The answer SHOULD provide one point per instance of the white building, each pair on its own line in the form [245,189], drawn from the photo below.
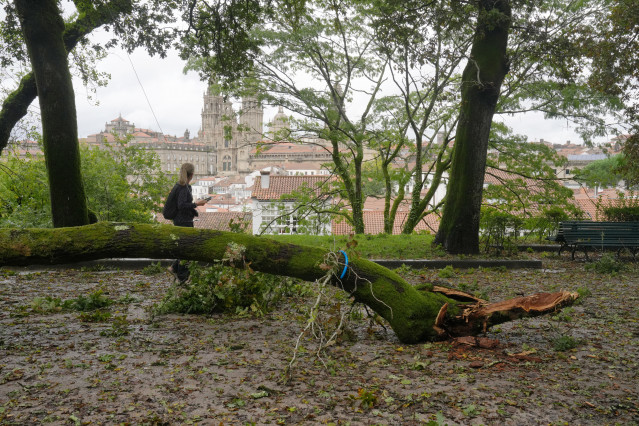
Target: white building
[274,208]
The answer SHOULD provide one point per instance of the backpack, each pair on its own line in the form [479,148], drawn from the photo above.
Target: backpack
[170,209]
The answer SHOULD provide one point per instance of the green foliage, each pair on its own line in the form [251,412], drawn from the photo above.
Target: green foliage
[548,222]
[629,168]
[611,46]
[123,183]
[133,25]
[225,289]
[470,410]
[153,269]
[47,304]
[95,301]
[404,270]
[127,299]
[24,191]
[239,226]
[221,43]
[565,315]
[446,272]
[625,210]
[524,193]
[94,316]
[500,229]
[367,398]
[601,173]
[440,420]
[119,327]
[607,264]
[524,175]
[565,343]
[222,288]
[622,214]
[372,183]
[583,293]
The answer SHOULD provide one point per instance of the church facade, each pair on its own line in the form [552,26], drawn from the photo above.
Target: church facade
[226,143]
[230,139]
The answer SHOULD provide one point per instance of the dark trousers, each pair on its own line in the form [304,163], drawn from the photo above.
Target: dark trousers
[180,270]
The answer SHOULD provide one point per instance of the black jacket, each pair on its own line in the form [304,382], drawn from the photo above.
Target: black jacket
[186,206]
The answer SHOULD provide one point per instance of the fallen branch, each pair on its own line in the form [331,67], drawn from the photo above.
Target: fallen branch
[413,314]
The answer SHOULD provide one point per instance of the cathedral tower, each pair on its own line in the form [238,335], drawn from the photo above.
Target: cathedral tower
[230,142]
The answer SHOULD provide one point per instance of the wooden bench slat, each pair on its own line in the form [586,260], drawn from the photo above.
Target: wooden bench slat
[588,234]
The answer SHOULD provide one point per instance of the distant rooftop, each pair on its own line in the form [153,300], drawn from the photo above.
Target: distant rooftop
[586,157]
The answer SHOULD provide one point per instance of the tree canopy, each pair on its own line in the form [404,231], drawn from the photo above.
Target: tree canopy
[370,78]
[36,29]
[612,47]
[602,173]
[130,24]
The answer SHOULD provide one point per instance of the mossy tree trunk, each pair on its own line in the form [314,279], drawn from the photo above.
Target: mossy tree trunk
[42,28]
[352,181]
[414,314]
[419,206]
[481,82]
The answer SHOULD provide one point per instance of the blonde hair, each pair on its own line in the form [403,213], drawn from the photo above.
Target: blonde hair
[186,173]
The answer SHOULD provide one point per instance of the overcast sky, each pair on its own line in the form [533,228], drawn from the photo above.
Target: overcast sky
[176,101]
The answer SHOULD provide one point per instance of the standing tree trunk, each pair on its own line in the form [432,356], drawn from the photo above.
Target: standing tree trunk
[15,106]
[481,83]
[414,314]
[43,27]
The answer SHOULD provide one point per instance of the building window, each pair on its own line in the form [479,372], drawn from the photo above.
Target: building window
[280,219]
[226,163]
[276,220]
[567,171]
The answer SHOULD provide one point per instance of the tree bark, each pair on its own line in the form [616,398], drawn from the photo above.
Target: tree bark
[42,28]
[415,315]
[15,107]
[481,82]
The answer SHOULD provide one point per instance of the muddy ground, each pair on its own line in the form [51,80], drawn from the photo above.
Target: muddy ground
[578,366]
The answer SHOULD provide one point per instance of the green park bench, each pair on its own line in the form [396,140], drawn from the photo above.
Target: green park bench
[587,235]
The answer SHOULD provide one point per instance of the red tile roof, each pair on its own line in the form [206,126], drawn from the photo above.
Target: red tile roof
[592,205]
[283,185]
[497,177]
[377,204]
[288,148]
[374,224]
[216,220]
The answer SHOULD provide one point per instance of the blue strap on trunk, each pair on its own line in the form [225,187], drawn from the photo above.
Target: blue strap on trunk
[346,265]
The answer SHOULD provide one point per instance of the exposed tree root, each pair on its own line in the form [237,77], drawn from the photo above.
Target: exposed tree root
[483,315]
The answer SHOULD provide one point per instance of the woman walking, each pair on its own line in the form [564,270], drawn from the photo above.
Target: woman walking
[186,211]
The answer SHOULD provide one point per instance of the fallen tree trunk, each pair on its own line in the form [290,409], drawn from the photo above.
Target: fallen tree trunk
[414,314]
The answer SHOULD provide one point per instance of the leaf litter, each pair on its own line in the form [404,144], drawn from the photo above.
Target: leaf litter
[577,366]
